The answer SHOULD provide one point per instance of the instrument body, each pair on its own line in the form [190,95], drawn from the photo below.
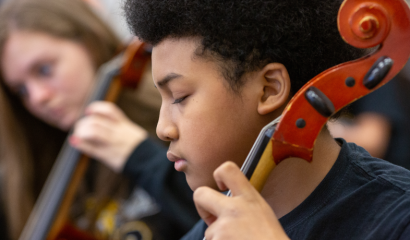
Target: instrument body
[49,216]
[362,24]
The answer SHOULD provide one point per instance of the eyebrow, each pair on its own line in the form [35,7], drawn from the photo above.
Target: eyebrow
[167,79]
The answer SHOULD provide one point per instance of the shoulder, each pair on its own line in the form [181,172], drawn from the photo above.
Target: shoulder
[379,171]
[361,198]
[381,191]
[374,193]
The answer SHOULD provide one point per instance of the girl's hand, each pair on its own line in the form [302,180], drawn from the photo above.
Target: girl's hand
[106,134]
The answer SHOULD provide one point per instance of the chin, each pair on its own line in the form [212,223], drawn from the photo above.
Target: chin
[64,128]
[191,184]
[67,123]
[196,183]
[62,125]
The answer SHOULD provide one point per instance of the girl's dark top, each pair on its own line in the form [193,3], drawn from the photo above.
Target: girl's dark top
[149,167]
[360,198]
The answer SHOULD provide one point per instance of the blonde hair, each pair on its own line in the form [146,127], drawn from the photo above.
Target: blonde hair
[28,147]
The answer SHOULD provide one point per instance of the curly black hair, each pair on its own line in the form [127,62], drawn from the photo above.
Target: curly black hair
[248,34]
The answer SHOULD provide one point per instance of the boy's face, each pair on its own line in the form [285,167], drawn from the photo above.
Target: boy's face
[205,122]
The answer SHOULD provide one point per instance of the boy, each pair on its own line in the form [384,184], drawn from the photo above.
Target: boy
[224,70]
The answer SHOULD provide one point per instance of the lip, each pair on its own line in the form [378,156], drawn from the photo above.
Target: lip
[179,163]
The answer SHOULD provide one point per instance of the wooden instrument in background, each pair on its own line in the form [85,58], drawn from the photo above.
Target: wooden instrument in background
[362,24]
[48,219]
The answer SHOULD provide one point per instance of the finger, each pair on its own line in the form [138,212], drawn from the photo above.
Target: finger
[94,129]
[229,176]
[209,203]
[96,121]
[105,109]
[83,146]
[89,148]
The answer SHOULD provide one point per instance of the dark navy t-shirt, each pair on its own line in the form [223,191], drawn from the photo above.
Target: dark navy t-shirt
[360,198]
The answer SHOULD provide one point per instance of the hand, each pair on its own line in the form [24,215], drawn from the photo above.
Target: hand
[107,135]
[245,215]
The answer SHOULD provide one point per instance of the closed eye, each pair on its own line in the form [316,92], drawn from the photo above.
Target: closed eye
[179,100]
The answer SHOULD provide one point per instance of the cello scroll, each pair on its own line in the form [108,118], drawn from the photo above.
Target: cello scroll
[362,24]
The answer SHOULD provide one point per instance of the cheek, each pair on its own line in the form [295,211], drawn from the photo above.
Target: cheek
[208,146]
[76,71]
[219,135]
[75,81]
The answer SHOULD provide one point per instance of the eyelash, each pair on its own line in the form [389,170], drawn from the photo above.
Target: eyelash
[179,100]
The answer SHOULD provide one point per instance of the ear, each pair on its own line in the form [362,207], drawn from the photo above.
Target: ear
[276,88]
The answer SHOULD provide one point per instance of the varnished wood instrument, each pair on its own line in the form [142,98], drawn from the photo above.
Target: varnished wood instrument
[362,24]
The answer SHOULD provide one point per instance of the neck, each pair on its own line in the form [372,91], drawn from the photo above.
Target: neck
[294,179]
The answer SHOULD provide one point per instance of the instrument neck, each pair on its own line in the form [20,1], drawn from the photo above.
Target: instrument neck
[300,176]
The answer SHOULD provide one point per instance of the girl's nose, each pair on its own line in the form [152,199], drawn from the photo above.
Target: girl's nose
[38,93]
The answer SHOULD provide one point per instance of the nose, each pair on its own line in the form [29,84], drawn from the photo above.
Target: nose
[38,93]
[166,128]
